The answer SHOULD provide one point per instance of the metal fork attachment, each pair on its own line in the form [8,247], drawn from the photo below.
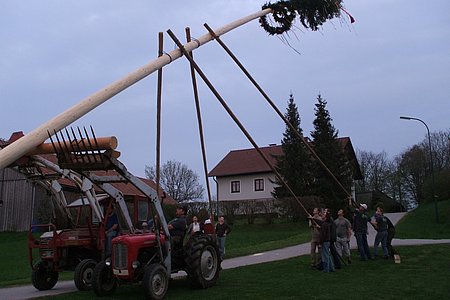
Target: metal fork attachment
[80,151]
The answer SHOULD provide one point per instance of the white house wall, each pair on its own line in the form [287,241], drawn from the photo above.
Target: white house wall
[247,191]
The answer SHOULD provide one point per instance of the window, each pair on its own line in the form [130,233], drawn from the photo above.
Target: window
[259,185]
[235,186]
[143,211]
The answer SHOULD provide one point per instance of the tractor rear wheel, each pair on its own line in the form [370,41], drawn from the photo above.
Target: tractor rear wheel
[84,273]
[155,282]
[42,278]
[103,281]
[202,261]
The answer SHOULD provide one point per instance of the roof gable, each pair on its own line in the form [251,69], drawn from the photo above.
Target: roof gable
[246,161]
[249,161]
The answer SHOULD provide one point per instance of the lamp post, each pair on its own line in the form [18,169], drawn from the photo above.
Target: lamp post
[431,164]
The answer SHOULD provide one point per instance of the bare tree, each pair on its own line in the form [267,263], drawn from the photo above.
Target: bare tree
[412,168]
[180,182]
[377,170]
[440,143]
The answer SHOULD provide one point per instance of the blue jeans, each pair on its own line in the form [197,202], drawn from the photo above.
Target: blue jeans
[327,260]
[221,245]
[363,247]
[381,237]
[108,245]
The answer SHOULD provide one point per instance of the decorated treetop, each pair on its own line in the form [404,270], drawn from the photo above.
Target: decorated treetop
[311,13]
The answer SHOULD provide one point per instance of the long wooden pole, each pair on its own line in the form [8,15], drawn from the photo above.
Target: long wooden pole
[36,137]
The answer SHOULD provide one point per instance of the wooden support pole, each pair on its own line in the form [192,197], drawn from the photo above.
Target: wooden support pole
[279,113]
[36,137]
[235,119]
[200,123]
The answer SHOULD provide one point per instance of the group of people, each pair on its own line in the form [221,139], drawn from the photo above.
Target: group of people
[179,229]
[385,232]
[330,242]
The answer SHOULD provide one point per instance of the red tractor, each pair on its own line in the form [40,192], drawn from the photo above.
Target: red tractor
[151,257]
[76,248]
[79,244]
[137,256]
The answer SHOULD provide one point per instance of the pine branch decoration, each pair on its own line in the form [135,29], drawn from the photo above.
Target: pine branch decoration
[311,13]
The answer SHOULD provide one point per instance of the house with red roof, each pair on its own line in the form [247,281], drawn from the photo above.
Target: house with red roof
[243,175]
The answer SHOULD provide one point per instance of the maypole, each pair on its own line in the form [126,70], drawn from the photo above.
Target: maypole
[27,143]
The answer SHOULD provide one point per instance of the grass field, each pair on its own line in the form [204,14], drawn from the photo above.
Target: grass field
[423,274]
[421,222]
[14,258]
[247,239]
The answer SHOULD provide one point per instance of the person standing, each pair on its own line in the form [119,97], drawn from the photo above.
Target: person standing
[111,230]
[325,239]
[222,230]
[360,220]
[334,254]
[343,234]
[195,227]
[381,226]
[177,226]
[391,234]
[315,238]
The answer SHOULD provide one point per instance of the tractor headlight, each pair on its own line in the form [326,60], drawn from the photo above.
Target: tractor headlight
[108,261]
[136,264]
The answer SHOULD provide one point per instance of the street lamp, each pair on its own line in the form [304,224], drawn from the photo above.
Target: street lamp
[431,164]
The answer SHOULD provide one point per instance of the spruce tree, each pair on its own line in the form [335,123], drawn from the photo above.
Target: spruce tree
[293,166]
[327,147]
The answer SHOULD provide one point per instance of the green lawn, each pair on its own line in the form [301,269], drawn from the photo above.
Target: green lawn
[14,258]
[422,274]
[248,239]
[421,222]
[245,239]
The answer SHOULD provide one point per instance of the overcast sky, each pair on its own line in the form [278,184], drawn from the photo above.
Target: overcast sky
[394,60]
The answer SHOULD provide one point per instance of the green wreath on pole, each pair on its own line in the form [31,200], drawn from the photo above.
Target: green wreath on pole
[311,13]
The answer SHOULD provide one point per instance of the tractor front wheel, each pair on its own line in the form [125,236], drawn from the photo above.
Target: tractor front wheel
[103,281]
[84,273]
[43,278]
[155,282]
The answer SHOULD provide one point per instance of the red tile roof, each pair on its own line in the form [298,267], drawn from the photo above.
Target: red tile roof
[248,161]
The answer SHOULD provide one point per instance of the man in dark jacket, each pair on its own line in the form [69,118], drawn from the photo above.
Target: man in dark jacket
[325,239]
[391,234]
[381,226]
[222,229]
[111,230]
[177,227]
[360,220]
[334,253]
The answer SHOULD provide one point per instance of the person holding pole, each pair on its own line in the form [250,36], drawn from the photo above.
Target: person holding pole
[343,234]
[360,220]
